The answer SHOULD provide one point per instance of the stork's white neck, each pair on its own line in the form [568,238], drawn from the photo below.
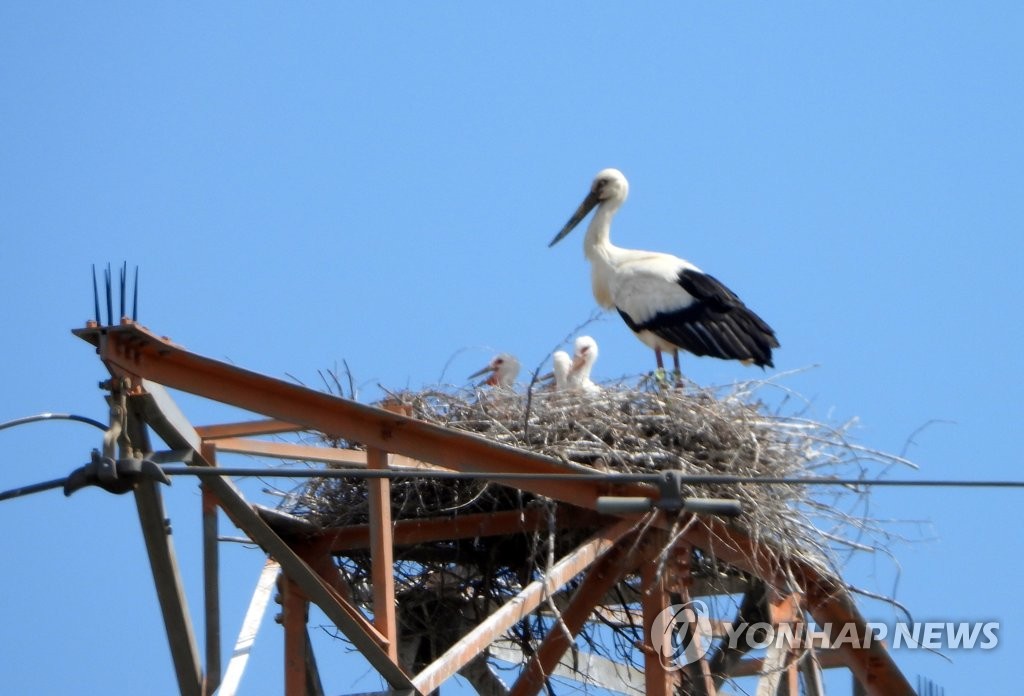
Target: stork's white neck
[602,254]
[597,245]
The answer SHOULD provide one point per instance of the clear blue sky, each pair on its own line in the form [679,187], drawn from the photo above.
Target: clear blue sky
[378,183]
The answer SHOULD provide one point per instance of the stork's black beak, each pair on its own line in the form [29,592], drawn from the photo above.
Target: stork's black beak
[585,207]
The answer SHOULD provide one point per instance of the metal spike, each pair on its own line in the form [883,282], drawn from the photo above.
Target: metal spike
[135,298]
[95,295]
[110,298]
[124,280]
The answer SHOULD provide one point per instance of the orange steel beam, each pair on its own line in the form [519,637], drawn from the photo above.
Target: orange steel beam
[246,429]
[329,455]
[701,670]
[317,556]
[677,576]
[828,601]
[294,607]
[780,675]
[513,611]
[129,349]
[156,532]
[787,609]
[162,415]
[382,553]
[348,619]
[483,524]
[211,591]
[132,350]
[601,577]
[654,598]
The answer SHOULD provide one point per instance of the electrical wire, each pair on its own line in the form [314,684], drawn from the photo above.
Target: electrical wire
[33,488]
[54,483]
[53,416]
[698,479]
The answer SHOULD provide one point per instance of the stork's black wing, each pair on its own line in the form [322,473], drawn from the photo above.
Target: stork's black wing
[716,323]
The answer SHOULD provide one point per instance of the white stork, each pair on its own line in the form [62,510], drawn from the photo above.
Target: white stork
[583,359]
[504,369]
[669,303]
[561,363]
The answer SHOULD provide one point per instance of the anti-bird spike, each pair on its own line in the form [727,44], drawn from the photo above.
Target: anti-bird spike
[110,296]
[124,280]
[124,289]
[135,298]
[95,295]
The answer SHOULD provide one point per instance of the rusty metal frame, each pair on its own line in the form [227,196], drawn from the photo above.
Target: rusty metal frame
[211,591]
[779,674]
[528,599]
[600,578]
[150,363]
[382,554]
[170,592]
[165,419]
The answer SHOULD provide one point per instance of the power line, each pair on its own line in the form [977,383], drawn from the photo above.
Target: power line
[695,479]
[33,488]
[655,479]
[53,416]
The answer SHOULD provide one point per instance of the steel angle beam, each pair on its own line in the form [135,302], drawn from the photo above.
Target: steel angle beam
[173,605]
[167,421]
[600,578]
[827,600]
[513,611]
[133,350]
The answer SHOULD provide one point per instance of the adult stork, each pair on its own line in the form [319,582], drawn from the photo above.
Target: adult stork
[669,303]
[503,369]
[583,359]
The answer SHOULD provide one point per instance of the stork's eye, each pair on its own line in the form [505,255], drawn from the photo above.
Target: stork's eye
[498,361]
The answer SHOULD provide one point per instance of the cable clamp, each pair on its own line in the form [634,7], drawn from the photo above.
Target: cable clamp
[116,476]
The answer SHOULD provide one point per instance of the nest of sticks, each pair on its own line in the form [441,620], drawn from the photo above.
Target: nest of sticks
[446,587]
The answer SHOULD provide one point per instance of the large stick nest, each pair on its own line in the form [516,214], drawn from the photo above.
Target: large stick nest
[449,585]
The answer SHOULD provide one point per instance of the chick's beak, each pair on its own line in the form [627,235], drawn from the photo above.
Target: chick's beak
[482,371]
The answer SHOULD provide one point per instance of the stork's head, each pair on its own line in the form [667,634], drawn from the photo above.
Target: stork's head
[504,369]
[610,188]
[585,355]
[610,184]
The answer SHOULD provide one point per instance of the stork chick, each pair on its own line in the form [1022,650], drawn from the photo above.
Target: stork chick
[583,359]
[503,369]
